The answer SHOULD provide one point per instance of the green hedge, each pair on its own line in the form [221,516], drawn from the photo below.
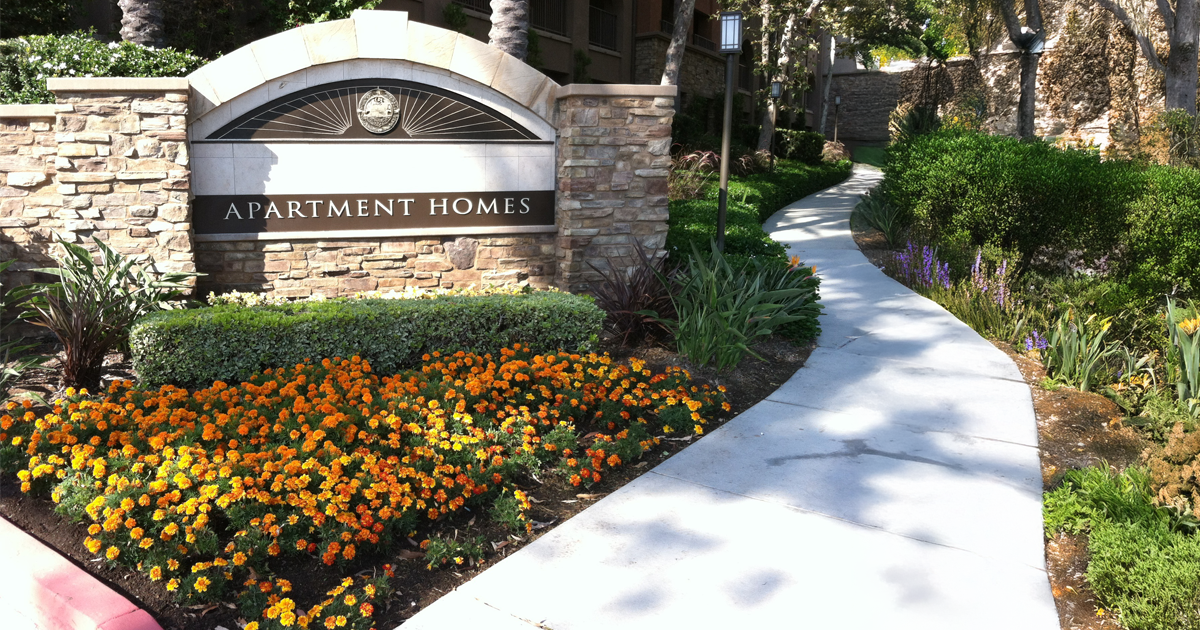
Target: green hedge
[1163,249]
[752,199]
[805,146]
[230,343]
[26,63]
[1025,196]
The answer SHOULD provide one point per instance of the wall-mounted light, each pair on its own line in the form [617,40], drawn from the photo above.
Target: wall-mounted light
[731,31]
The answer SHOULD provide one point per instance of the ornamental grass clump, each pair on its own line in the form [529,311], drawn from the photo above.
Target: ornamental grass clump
[205,491]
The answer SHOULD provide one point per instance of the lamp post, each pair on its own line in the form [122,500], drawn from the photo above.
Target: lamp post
[731,45]
[776,92]
[837,105]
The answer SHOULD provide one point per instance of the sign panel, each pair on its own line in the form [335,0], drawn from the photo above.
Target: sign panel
[275,214]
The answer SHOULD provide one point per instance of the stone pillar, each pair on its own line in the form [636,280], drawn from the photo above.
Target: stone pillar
[122,166]
[613,160]
[30,205]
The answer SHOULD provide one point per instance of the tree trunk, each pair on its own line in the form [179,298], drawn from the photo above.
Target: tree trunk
[828,84]
[679,40]
[1181,74]
[782,74]
[1029,40]
[510,27]
[1027,105]
[142,22]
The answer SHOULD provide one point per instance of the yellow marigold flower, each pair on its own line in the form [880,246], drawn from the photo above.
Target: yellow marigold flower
[350,600]
[253,625]
[92,544]
[112,553]
[202,584]
[156,573]
[173,584]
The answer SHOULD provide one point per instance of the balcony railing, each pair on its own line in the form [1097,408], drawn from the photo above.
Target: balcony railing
[482,6]
[602,29]
[704,42]
[548,15]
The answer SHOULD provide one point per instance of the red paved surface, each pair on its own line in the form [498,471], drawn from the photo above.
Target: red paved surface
[41,589]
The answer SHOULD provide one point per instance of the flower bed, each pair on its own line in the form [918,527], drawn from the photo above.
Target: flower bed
[205,491]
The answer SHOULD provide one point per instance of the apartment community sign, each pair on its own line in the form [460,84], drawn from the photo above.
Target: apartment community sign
[382,156]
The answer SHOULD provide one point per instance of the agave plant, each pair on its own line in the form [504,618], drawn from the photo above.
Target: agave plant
[92,304]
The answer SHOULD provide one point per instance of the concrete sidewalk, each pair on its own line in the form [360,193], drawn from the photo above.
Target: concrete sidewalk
[893,482]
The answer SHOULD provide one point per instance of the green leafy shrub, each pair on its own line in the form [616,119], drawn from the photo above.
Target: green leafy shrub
[37,17]
[292,13]
[721,309]
[804,146]
[1023,196]
[230,343]
[1143,560]
[1076,352]
[876,211]
[1164,232]
[26,63]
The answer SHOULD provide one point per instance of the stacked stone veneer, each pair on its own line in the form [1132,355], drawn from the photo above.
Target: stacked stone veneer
[30,204]
[109,163]
[111,160]
[343,267]
[614,159]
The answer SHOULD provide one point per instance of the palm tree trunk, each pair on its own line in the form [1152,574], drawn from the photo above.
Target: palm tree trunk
[142,22]
[679,40]
[510,27]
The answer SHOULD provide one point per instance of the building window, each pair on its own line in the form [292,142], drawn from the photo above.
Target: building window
[701,28]
[548,15]
[602,25]
[482,6]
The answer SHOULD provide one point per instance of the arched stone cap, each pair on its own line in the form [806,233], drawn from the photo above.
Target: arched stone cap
[385,35]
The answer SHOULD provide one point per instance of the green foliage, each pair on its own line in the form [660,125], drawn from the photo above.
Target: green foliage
[26,63]
[874,156]
[211,28]
[1077,350]
[876,211]
[1182,131]
[1023,196]
[439,551]
[752,199]
[805,146]
[37,17]
[292,13]
[15,357]
[456,18]
[533,50]
[92,304]
[230,343]
[722,309]
[582,62]
[1183,358]
[1143,560]
[1164,232]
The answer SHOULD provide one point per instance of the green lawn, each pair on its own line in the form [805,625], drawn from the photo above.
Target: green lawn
[869,155]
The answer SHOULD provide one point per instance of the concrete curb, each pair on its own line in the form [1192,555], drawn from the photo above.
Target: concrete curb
[41,589]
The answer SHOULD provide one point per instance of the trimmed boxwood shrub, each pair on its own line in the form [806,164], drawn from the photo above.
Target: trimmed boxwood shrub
[805,146]
[1164,233]
[230,343]
[963,185]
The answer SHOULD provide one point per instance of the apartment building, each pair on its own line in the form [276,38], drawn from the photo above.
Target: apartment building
[604,41]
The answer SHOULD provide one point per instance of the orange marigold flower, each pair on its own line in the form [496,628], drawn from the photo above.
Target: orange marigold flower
[112,553]
[366,609]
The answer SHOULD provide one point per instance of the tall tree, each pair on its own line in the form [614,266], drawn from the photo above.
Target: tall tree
[1182,25]
[142,22]
[510,27]
[679,40]
[1029,39]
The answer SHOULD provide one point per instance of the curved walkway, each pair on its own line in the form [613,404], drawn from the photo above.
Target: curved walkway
[893,482]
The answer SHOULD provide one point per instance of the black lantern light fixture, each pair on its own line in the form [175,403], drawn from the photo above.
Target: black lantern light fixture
[731,44]
[776,89]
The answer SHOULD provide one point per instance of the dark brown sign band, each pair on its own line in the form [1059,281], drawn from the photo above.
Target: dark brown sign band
[247,214]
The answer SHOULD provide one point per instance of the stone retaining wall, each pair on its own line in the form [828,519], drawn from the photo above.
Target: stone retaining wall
[31,211]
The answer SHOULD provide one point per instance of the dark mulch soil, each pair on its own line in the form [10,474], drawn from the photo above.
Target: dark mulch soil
[554,501]
[1075,430]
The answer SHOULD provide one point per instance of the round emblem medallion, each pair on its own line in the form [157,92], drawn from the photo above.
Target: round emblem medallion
[378,111]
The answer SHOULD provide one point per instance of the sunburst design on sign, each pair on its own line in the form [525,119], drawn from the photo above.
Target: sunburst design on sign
[332,113]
